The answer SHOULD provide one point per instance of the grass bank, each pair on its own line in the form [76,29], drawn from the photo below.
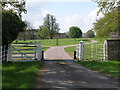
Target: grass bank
[20,74]
[106,67]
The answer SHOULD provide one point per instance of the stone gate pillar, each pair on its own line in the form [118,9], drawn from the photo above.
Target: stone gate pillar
[112,49]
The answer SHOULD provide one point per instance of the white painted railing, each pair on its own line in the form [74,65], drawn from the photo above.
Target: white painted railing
[22,52]
[3,55]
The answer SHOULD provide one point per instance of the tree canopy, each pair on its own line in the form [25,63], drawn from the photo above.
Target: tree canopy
[107,6]
[49,27]
[75,32]
[110,22]
[18,6]
[90,34]
[11,26]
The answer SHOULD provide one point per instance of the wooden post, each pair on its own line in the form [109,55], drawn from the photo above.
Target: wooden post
[75,55]
[39,51]
[81,51]
[42,55]
[9,55]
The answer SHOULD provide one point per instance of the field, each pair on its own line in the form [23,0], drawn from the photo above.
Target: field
[20,74]
[53,42]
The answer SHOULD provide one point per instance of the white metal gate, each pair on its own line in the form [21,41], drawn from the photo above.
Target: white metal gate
[24,51]
[90,52]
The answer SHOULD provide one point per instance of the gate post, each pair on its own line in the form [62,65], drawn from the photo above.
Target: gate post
[81,51]
[9,55]
[105,51]
[39,51]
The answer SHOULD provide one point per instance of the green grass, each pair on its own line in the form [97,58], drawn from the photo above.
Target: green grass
[106,67]
[45,48]
[20,74]
[70,49]
[52,42]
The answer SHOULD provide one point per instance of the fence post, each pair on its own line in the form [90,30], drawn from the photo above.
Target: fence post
[35,50]
[75,55]
[81,51]
[92,51]
[9,55]
[105,51]
[1,53]
[39,51]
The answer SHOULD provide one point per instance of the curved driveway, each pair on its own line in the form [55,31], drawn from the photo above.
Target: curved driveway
[58,53]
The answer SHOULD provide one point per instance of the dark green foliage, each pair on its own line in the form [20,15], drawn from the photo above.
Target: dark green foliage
[75,32]
[90,34]
[11,26]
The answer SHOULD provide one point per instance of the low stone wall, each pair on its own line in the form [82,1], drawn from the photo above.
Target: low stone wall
[112,48]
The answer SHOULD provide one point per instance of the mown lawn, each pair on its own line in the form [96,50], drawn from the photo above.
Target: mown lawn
[20,74]
[52,42]
[107,67]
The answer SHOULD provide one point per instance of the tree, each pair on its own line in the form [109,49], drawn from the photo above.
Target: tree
[90,34]
[107,24]
[107,6]
[43,32]
[51,25]
[18,6]
[11,26]
[75,32]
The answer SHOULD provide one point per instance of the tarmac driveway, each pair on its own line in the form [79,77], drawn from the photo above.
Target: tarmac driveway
[70,74]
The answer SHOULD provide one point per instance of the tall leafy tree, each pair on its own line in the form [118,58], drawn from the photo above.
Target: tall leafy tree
[75,32]
[90,34]
[111,20]
[12,22]
[51,25]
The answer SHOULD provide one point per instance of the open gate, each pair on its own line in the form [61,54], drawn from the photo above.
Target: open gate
[25,51]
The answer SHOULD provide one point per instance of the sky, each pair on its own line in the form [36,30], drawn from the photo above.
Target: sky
[67,13]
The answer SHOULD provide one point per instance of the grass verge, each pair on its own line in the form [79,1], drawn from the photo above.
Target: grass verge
[20,74]
[106,67]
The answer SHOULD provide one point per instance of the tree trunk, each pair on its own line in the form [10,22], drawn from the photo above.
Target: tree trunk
[51,37]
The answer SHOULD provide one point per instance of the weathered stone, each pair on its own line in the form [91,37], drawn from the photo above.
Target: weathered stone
[113,49]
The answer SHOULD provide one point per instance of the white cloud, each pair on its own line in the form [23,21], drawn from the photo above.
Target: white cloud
[83,22]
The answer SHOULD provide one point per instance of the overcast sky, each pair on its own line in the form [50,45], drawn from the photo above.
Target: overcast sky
[68,13]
